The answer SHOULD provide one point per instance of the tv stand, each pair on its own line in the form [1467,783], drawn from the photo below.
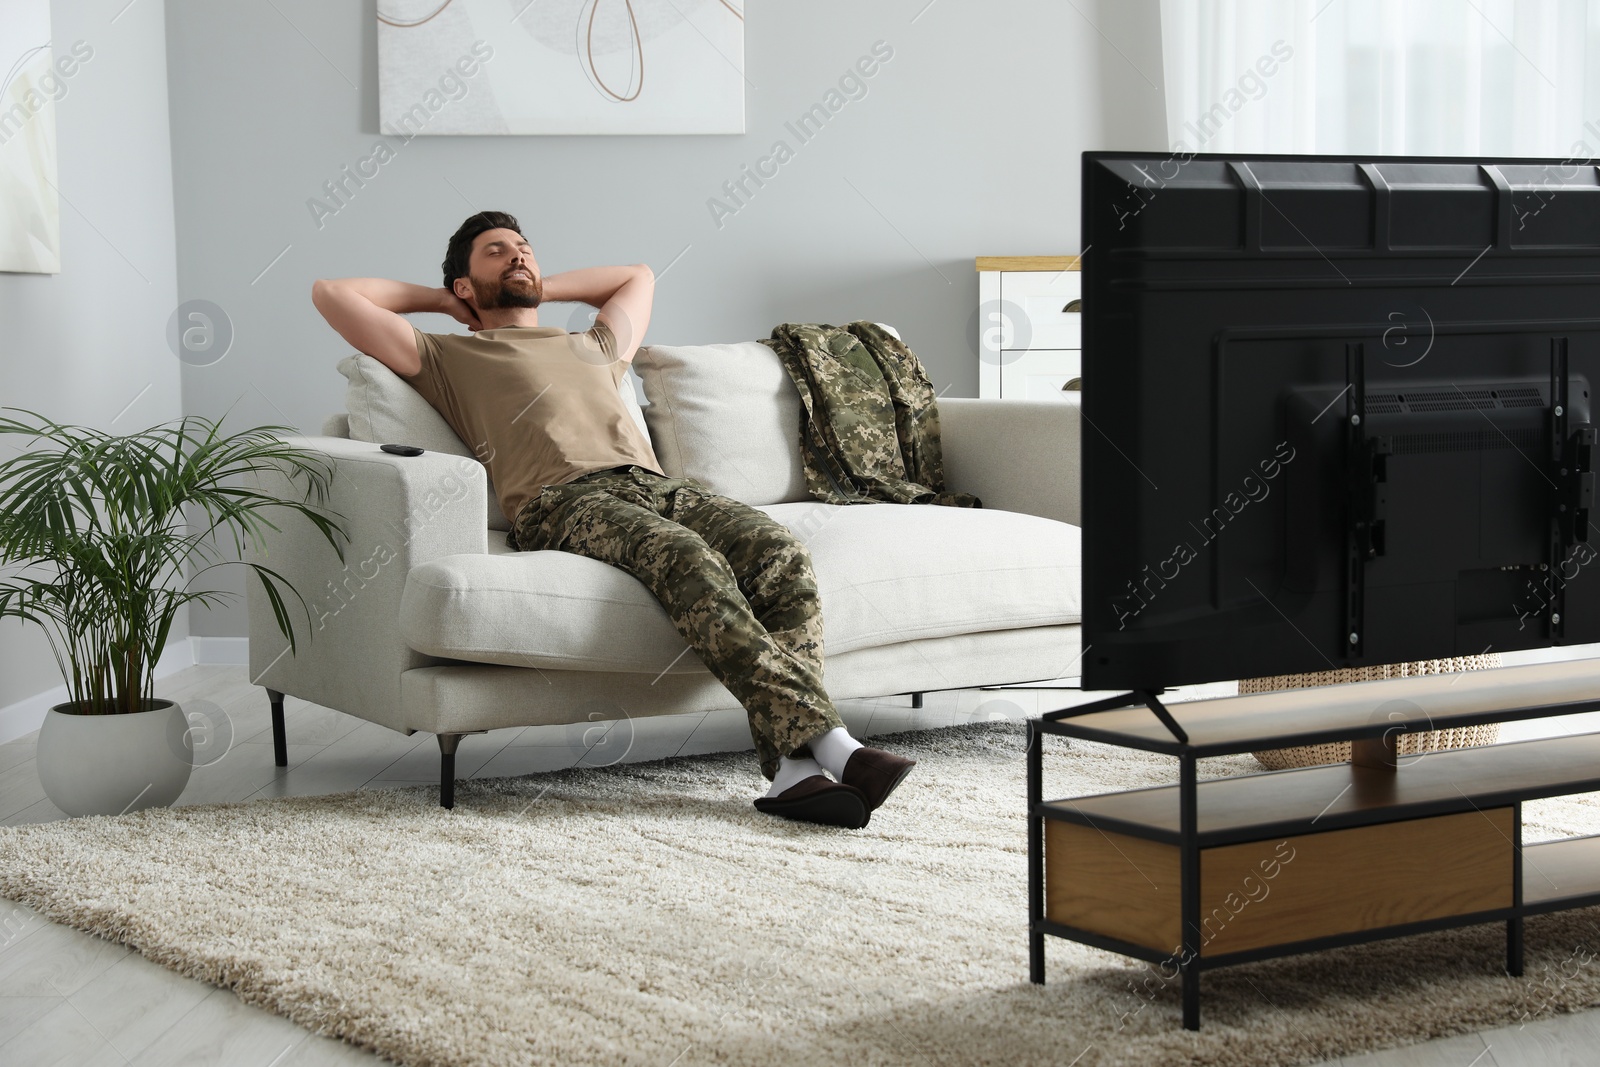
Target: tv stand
[1206,874]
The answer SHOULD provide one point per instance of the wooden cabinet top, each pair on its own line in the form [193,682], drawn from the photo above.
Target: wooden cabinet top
[1028,262]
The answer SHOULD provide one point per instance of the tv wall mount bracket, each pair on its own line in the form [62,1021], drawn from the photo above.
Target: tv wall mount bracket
[1569,467]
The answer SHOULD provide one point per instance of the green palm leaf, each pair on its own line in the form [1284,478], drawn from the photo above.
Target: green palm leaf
[105,521]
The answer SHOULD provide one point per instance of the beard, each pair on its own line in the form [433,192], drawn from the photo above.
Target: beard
[494,293]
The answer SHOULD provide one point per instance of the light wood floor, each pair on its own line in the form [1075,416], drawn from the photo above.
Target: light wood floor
[73,1000]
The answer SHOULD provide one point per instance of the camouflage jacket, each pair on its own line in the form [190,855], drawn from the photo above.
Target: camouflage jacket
[869,426]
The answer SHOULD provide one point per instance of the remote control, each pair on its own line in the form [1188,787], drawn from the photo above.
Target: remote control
[402,450]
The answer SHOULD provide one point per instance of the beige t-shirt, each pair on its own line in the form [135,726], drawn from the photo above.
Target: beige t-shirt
[537,405]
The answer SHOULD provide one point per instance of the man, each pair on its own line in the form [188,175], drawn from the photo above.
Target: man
[541,409]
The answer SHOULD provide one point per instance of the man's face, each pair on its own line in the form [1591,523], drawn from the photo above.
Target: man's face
[503,272]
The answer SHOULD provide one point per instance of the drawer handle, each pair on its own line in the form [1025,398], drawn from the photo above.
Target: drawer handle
[1073,385]
[1073,305]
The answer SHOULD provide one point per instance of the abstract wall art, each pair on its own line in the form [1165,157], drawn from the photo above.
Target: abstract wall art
[560,66]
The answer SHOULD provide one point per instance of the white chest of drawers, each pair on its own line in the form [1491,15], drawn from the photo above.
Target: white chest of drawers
[1029,326]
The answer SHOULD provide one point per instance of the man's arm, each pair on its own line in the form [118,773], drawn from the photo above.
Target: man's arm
[367,313]
[623,295]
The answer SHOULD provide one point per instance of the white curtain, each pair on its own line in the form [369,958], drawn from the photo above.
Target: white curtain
[1414,77]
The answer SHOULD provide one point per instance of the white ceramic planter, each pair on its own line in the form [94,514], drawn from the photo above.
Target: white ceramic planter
[110,764]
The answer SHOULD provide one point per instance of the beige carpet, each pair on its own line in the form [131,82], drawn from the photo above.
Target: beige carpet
[646,914]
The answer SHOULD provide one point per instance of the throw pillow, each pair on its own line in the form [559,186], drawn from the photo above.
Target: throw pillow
[727,415]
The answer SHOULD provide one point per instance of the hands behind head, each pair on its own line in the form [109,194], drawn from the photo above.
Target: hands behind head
[460,310]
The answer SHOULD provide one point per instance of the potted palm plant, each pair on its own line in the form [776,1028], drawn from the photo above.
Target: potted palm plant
[97,527]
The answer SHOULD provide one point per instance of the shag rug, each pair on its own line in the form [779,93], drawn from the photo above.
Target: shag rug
[647,914]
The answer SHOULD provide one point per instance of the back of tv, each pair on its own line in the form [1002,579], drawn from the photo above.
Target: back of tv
[1336,412]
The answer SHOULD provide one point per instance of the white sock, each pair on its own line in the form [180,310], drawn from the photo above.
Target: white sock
[792,772]
[833,750]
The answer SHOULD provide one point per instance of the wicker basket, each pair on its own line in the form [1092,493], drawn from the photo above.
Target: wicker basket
[1279,759]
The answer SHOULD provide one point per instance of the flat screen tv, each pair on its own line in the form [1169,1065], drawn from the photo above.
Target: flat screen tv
[1336,411]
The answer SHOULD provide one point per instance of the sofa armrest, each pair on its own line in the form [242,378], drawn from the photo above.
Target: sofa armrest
[398,511]
[1016,455]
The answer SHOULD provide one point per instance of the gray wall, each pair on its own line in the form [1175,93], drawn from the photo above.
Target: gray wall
[966,144]
[82,345]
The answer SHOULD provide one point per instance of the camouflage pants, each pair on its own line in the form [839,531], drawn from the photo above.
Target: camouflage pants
[737,584]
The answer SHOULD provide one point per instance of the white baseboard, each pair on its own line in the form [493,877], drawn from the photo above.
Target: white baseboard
[26,716]
[231,651]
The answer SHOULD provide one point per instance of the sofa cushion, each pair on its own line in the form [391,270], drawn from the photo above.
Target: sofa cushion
[901,572]
[727,415]
[383,409]
[888,573]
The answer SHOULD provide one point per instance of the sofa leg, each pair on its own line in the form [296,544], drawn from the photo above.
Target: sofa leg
[280,739]
[447,769]
[916,700]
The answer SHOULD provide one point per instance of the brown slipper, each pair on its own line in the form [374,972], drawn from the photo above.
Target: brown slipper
[876,773]
[819,799]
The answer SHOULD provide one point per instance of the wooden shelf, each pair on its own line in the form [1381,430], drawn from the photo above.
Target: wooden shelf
[1259,721]
[1259,806]
[1028,262]
[1558,874]
[1335,883]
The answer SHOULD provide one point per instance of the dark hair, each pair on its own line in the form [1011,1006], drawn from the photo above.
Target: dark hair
[459,251]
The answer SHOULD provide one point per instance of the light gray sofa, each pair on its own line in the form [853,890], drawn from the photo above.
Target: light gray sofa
[432,623]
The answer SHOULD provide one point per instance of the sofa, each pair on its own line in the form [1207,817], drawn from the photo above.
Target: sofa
[432,622]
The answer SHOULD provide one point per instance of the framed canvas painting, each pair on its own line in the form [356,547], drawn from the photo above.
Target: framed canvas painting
[560,66]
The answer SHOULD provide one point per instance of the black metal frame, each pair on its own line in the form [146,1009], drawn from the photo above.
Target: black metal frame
[1514,945]
[1189,960]
[1375,730]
